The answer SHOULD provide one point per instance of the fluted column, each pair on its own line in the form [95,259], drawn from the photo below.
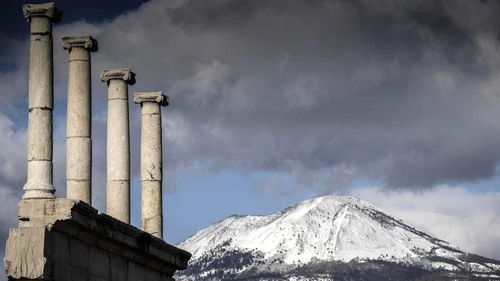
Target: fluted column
[151,161]
[118,143]
[78,124]
[41,95]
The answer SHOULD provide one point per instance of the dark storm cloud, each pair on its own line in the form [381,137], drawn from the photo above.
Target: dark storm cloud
[402,92]
[396,91]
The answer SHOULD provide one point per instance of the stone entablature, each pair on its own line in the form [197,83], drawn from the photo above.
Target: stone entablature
[85,42]
[118,74]
[48,10]
[61,240]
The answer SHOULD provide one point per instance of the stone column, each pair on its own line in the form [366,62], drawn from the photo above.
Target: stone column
[151,161]
[41,95]
[118,143]
[78,124]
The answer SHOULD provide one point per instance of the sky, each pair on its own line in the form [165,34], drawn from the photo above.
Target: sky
[274,102]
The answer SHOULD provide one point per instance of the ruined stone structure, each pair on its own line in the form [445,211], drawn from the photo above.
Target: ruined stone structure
[151,161]
[118,143]
[41,100]
[66,239]
[78,125]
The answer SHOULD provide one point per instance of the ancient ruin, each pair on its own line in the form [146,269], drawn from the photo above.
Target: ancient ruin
[78,124]
[63,239]
[41,100]
[151,161]
[118,143]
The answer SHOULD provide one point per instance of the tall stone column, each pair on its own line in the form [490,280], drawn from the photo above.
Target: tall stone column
[151,161]
[118,143]
[78,124]
[41,95]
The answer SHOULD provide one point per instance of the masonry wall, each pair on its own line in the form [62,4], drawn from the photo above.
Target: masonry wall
[76,260]
[66,240]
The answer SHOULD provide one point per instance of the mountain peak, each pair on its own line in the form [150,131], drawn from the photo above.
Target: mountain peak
[330,228]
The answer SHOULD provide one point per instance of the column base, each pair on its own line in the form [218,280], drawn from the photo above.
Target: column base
[38,191]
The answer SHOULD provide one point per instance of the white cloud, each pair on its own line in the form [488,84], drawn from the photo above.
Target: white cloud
[13,154]
[465,218]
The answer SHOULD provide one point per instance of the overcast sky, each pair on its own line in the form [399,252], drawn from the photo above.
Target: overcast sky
[273,102]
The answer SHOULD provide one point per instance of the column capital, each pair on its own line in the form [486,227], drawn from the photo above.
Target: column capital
[118,74]
[48,10]
[85,42]
[157,97]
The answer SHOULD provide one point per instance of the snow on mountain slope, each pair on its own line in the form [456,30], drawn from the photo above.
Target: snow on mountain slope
[324,229]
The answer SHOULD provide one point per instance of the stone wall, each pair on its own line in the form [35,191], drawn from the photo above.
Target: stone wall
[65,240]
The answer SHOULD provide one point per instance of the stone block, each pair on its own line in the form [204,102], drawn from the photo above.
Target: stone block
[118,269]
[152,275]
[136,272]
[62,271]
[60,247]
[79,254]
[25,253]
[78,274]
[99,263]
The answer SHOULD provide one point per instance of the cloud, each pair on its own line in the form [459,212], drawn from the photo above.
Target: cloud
[401,93]
[12,176]
[465,218]
[404,93]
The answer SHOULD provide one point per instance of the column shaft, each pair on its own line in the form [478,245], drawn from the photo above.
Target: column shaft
[151,169]
[39,182]
[78,130]
[118,152]
[151,161]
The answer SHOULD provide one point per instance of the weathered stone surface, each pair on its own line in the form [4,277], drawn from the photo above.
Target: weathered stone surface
[157,97]
[119,268]
[78,130]
[40,135]
[78,157]
[151,202]
[78,169]
[39,183]
[61,239]
[84,42]
[25,254]
[48,10]
[118,143]
[99,262]
[124,74]
[80,253]
[41,98]
[136,272]
[118,199]
[151,160]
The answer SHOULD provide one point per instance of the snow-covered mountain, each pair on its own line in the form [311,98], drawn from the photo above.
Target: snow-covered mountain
[327,238]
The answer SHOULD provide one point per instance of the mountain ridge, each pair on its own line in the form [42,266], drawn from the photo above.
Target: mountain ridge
[324,232]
